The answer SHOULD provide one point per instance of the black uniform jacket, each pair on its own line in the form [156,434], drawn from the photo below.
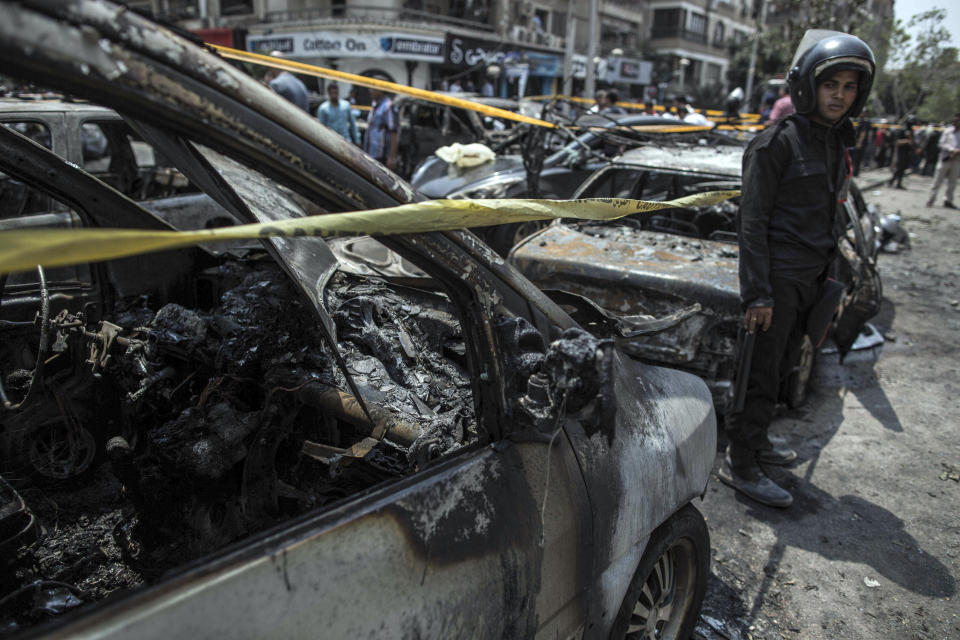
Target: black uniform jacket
[794,174]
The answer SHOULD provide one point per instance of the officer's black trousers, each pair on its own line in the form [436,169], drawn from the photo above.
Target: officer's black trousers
[774,353]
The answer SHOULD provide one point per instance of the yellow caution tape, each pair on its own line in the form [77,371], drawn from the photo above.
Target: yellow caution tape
[712,114]
[374,83]
[21,250]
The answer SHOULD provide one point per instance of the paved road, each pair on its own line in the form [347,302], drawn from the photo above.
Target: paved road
[871,546]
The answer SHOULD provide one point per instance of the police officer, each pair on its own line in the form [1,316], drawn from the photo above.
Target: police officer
[794,174]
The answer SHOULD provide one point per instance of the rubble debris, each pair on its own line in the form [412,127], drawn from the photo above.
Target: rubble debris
[950,472]
[230,419]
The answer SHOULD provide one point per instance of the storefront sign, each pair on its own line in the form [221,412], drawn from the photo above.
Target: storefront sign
[335,44]
[615,69]
[471,52]
[628,70]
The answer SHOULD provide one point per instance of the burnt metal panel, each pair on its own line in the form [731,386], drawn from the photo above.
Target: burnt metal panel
[433,543]
[655,455]
[627,260]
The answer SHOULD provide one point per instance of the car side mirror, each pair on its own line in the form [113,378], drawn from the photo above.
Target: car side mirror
[573,160]
[574,381]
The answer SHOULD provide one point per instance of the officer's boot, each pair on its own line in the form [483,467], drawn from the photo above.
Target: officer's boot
[741,471]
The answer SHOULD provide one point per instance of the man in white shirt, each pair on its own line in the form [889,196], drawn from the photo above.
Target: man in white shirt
[949,163]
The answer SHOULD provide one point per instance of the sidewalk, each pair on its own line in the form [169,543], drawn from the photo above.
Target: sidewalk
[874,178]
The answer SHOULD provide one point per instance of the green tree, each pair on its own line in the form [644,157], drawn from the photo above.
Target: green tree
[785,26]
[924,73]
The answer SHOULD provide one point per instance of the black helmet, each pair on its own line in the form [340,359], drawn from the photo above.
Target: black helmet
[821,51]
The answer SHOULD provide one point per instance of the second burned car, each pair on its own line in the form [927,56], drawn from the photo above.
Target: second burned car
[662,263]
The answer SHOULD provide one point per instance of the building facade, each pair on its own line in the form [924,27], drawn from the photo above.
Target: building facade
[518,46]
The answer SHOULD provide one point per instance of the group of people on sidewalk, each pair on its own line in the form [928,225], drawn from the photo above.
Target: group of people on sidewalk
[905,147]
[382,136]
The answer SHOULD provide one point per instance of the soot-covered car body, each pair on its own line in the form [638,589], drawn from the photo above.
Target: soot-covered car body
[98,140]
[426,126]
[664,262]
[559,159]
[269,445]
[563,169]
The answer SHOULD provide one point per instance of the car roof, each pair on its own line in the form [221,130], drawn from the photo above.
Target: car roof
[490,101]
[630,119]
[46,105]
[719,159]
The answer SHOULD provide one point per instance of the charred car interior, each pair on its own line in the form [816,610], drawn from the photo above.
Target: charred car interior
[265,441]
[219,407]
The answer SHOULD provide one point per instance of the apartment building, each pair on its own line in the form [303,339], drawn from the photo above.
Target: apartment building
[693,40]
[519,44]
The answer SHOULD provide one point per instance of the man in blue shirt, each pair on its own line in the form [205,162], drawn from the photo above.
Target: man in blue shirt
[289,86]
[382,127]
[337,114]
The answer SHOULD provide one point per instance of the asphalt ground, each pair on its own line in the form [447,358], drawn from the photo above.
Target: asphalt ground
[871,546]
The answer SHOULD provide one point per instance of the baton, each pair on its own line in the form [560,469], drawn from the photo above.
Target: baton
[745,342]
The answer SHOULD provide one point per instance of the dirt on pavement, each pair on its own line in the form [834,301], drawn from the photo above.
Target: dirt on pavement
[871,546]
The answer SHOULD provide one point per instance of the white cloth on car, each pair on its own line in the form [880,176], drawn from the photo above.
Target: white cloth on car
[465,155]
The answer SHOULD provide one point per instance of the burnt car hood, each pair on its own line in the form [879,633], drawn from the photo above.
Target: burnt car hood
[436,179]
[611,263]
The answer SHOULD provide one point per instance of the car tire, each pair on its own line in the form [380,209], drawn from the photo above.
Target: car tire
[666,592]
[506,236]
[798,382]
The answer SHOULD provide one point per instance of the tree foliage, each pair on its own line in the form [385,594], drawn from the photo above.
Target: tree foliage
[924,73]
[785,26]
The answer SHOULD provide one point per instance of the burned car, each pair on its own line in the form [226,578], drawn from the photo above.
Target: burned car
[557,174]
[427,126]
[562,172]
[268,444]
[665,262]
[99,141]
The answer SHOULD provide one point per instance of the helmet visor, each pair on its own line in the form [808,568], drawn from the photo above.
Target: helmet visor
[842,64]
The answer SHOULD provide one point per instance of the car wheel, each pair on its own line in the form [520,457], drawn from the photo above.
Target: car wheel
[663,601]
[507,236]
[798,383]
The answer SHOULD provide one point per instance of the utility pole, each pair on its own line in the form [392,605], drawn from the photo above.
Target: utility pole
[591,83]
[748,94]
[568,50]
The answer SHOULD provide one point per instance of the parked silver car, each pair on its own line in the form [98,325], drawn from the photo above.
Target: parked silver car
[304,451]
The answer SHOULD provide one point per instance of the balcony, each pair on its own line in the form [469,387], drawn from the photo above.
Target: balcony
[657,33]
[531,36]
[378,15]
